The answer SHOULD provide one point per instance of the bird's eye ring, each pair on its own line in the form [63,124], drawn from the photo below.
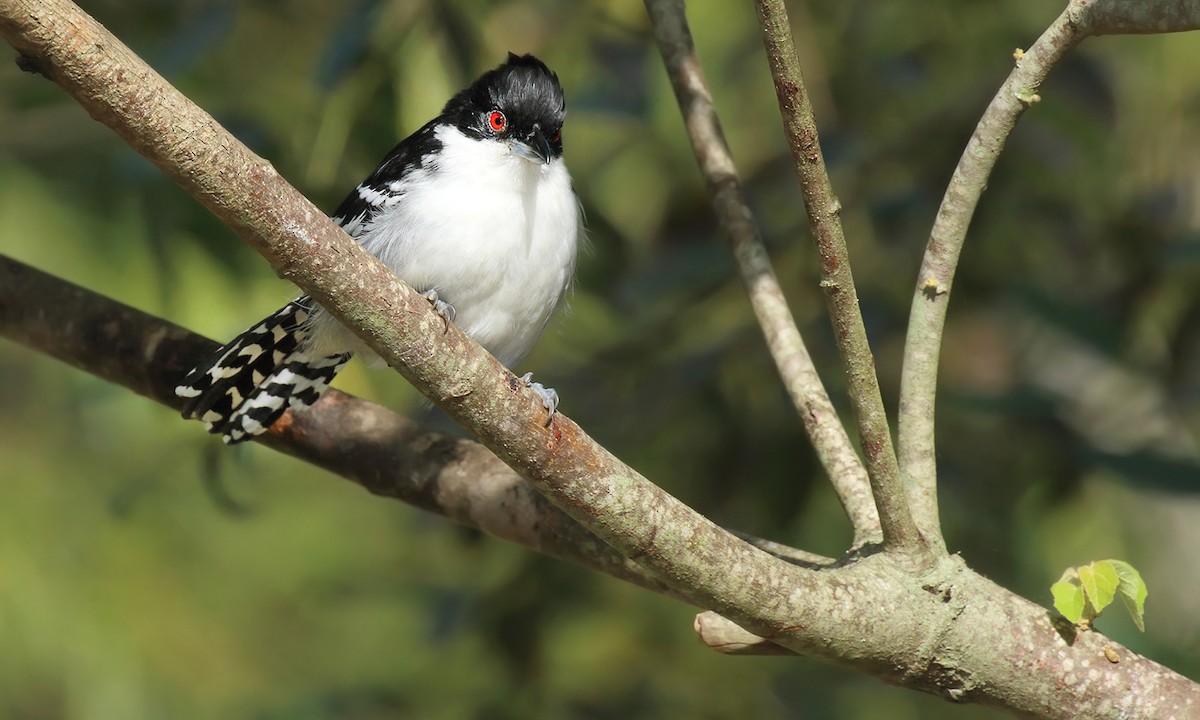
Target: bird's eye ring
[496,121]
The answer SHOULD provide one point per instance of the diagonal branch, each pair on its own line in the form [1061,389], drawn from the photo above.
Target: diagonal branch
[682,549]
[824,211]
[387,454]
[872,613]
[791,357]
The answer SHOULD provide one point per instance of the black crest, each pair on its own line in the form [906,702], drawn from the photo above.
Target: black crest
[523,88]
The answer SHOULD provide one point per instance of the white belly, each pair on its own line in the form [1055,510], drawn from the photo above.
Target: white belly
[495,235]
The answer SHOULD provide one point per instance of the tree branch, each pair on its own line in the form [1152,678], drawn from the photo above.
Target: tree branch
[787,348]
[389,455]
[918,386]
[684,550]
[824,212]
[1135,17]
[919,630]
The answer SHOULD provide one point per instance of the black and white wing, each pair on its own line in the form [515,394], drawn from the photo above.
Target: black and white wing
[250,381]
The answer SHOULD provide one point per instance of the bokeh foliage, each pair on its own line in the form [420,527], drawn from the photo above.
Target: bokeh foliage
[146,572]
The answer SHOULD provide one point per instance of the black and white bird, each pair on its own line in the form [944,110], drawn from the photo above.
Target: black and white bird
[475,210]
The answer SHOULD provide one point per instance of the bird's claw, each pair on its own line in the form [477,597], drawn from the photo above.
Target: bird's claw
[548,396]
[444,309]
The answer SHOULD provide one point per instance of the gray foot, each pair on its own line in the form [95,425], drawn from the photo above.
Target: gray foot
[548,396]
[441,307]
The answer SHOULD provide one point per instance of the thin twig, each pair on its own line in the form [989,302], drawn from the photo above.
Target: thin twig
[824,211]
[918,386]
[791,554]
[787,348]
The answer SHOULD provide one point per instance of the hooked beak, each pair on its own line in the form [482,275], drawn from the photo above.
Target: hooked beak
[534,148]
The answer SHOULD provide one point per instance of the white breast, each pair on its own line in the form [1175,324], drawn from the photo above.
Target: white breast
[494,234]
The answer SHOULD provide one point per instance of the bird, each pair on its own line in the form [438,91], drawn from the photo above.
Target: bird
[475,210]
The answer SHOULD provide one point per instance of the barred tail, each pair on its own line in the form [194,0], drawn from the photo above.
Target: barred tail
[247,384]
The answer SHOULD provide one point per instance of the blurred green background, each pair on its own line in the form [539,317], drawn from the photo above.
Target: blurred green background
[147,572]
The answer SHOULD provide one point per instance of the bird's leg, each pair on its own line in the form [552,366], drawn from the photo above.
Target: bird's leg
[548,396]
[441,307]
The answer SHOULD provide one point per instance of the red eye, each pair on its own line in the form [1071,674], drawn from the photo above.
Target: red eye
[497,121]
[557,136]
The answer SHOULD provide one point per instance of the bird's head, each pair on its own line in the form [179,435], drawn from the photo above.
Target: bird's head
[519,103]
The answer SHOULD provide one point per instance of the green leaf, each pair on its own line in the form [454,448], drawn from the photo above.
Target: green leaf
[1100,581]
[1068,596]
[1132,591]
